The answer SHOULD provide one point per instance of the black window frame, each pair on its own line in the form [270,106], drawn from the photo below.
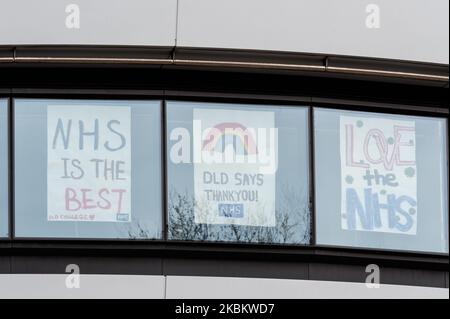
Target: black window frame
[309,102]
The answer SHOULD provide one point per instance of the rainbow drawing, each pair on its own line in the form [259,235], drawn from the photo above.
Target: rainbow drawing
[221,131]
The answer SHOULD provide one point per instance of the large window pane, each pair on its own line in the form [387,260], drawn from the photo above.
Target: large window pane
[238,173]
[381,181]
[4,168]
[88,169]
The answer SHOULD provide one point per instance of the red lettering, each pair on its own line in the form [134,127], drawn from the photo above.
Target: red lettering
[87,201]
[71,196]
[119,204]
[101,195]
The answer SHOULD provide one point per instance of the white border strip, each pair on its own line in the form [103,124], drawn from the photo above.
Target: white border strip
[197,287]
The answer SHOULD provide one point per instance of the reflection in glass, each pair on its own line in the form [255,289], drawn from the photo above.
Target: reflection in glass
[4,168]
[381,181]
[245,198]
[88,169]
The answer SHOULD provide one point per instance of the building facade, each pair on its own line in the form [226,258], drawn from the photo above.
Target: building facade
[224,149]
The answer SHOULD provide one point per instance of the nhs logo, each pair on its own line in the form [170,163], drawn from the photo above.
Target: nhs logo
[123,217]
[231,210]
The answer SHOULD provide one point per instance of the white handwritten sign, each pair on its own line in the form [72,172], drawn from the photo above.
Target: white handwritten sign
[88,163]
[231,184]
[378,175]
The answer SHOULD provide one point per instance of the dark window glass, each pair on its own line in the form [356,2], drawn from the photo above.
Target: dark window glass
[238,173]
[381,181]
[88,169]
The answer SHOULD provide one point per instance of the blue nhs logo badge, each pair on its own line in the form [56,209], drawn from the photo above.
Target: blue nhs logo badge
[123,217]
[231,210]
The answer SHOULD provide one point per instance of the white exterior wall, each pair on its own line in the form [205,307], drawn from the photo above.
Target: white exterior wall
[194,287]
[413,30]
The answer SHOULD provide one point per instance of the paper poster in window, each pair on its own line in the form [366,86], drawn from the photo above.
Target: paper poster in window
[88,163]
[235,163]
[378,175]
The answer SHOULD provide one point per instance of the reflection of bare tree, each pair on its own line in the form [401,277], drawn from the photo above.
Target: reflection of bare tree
[136,230]
[292,216]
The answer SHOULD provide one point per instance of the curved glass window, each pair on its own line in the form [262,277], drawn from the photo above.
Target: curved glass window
[88,169]
[238,173]
[4,168]
[381,181]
